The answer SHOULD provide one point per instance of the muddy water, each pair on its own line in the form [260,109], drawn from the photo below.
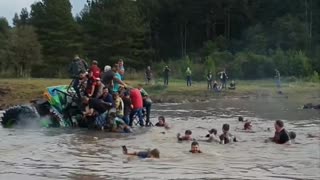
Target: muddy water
[81,154]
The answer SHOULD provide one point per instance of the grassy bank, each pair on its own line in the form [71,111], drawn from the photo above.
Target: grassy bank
[17,91]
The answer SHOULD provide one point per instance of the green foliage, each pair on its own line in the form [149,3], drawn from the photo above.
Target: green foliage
[24,50]
[57,31]
[248,38]
[315,77]
[115,29]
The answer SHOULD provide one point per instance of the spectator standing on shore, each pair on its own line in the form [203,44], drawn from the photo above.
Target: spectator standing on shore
[223,78]
[278,80]
[209,80]
[148,75]
[188,73]
[166,72]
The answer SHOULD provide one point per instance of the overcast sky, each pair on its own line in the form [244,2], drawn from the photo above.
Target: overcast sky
[9,7]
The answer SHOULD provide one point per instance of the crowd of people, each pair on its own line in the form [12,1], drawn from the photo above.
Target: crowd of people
[281,136]
[108,102]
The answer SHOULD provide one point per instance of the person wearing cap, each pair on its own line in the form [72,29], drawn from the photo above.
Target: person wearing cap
[98,90]
[76,68]
[95,70]
[212,136]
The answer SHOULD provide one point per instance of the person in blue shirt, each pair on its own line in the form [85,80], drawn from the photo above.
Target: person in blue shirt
[117,80]
[154,153]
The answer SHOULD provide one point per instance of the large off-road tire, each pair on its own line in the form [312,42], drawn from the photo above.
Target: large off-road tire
[20,116]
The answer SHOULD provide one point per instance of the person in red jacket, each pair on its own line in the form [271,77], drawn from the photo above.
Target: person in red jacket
[95,70]
[137,103]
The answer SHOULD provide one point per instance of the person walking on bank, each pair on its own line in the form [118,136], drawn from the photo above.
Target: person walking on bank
[148,75]
[188,73]
[223,78]
[209,80]
[166,72]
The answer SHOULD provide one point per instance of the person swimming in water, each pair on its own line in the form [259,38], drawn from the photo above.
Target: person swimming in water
[226,137]
[162,122]
[186,137]
[292,136]
[212,136]
[247,126]
[281,136]
[154,153]
[195,147]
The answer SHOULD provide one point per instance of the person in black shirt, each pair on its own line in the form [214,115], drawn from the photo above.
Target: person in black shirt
[281,136]
[166,72]
[107,77]
[97,109]
[127,106]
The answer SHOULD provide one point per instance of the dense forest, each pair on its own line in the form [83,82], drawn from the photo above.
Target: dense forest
[247,37]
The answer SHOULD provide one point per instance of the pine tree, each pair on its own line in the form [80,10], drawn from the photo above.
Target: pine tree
[58,32]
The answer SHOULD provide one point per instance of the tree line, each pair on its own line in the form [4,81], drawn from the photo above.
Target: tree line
[249,38]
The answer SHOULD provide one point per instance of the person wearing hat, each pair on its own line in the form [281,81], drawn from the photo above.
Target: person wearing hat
[212,136]
[95,70]
[76,68]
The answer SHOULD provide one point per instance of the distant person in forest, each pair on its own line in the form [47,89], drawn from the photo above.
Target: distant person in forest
[278,79]
[223,78]
[76,68]
[148,75]
[188,74]
[121,69]
[209,80]
[95,70]
[166,72]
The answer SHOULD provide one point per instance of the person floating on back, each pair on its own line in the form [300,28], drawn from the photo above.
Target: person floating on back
[186,137]
[154,153]
[226,137]
[195,147]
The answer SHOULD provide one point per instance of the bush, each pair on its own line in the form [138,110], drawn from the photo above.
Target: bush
[315,77]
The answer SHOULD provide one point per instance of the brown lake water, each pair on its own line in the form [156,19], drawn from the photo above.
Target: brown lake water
[81,154]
